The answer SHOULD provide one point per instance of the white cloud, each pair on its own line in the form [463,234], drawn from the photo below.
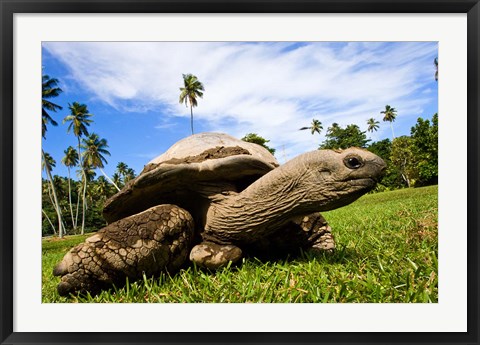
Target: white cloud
[268,88]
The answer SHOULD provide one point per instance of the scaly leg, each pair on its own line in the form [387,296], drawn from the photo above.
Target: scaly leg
[149,242]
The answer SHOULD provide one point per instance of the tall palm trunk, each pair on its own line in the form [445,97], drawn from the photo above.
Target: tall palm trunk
[51,224]
[191,116]
[393,135]
[57,205]
[52,200]
[77,211]
[50,195]
[109,179]
[70,199]
[84,201]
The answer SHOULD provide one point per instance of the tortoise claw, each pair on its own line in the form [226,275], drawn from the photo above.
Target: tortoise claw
[60,269]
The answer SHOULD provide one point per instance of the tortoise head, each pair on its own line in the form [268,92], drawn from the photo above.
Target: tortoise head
[334,178]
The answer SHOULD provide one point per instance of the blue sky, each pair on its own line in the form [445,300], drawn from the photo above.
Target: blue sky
[269,88]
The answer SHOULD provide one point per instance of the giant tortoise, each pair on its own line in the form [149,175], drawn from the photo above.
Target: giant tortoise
[212,198]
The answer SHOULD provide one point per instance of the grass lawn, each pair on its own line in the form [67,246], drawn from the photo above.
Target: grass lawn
[386,252]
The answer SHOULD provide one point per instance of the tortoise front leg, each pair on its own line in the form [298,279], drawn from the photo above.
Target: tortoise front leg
[149,242]
[318,233]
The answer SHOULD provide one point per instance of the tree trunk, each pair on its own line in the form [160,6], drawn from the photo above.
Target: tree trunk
[84,202]
[405,178]
[64,227]
[78,206]
[51,224]
[70,199]
[56,205]
[50,194]
[393,135]
[84,188]
[53,203]
[191,116]
[108,178]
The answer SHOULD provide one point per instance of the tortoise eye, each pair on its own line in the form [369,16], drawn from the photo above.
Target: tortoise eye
[353,162]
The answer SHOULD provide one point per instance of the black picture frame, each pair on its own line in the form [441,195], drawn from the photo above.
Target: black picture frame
[9,7]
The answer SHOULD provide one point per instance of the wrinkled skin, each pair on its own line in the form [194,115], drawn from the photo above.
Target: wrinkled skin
[315,181]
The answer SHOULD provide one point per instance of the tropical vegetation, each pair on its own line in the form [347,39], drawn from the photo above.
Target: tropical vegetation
[412,160]
[256,139]
[62,195]
[50,90]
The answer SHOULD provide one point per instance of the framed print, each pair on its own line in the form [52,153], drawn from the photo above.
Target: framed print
[171,192]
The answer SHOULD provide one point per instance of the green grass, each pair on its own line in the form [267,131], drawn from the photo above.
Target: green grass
[386,252]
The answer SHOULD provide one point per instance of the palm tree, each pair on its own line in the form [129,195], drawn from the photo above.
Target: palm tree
[192,89]
[372,125]
[129,175]
[102,187]
[89,173]
[47,164]
[315,127]
[93,154]
[123,171]
[70,160]
[390,115]
[435,62]
[49,90]
[122,168]
[117,179]
[334,127]
[79,121]
[59,183]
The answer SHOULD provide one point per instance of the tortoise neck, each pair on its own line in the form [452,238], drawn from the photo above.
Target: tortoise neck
[267,204]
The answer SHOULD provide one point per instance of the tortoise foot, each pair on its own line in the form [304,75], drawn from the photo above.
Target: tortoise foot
[213,256]
[324,243]
[320,237]
[149,242]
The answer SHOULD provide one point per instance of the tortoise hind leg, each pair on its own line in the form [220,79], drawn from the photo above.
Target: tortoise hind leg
[149,242]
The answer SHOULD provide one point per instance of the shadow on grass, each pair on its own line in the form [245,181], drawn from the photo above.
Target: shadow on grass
[337,256]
